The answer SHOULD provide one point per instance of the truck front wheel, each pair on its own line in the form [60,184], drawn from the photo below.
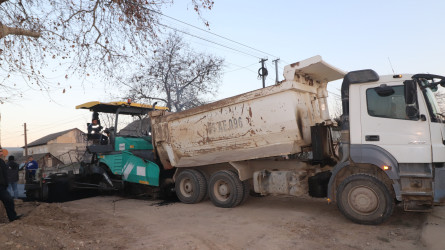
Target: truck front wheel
[225,189]
[191,186]
[365,199]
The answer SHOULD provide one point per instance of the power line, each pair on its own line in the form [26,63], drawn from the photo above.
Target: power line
[241,67]
[204,39]
[212,33]
[191,25]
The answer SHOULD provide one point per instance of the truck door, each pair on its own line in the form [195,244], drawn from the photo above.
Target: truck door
[385,123]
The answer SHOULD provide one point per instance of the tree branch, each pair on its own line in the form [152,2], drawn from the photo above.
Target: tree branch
[5,30]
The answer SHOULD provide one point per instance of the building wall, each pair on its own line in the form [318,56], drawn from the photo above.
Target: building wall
[37,150]
[68,147]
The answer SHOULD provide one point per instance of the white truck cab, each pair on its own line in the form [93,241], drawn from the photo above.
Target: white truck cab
[393,136]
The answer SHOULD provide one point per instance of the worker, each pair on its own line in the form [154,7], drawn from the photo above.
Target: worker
[13,177]
[94,127]
[6,198]
[31,168]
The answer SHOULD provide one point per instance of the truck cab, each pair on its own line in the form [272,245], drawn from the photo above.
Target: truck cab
[393,136]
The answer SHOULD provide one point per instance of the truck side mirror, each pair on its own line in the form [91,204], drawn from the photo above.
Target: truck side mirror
[410,88]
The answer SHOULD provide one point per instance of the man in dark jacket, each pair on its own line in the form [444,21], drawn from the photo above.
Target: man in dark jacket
[7,200]
[13,177]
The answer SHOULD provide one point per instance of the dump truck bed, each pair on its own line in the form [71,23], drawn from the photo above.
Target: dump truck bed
[266,122]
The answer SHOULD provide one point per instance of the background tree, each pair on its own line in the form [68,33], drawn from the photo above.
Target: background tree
[89,35]
[176,75]
[440,96]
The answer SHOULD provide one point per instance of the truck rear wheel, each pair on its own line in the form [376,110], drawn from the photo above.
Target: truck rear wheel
[225,189]
[246,191]
[365,199]
[191,186]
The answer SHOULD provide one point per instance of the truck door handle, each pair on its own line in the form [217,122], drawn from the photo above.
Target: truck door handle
[372,138]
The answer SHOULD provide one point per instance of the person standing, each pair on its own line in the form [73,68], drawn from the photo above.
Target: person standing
[6,198]
[13,177]
[31,168]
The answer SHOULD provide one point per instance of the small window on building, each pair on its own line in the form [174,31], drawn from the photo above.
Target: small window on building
[50,162]
[391,106]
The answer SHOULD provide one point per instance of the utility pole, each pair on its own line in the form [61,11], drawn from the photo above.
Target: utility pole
[26,143]
[276,69]
[262,72]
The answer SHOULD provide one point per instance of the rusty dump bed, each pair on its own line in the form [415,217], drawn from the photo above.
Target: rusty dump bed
[266,122]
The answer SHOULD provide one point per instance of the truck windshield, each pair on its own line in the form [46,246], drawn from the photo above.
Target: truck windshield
[434,106]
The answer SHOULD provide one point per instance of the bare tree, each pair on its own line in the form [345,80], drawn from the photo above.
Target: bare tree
[83,36]
[176,75]
[440,96]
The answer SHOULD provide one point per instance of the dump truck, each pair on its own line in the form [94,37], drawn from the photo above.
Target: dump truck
[278,140]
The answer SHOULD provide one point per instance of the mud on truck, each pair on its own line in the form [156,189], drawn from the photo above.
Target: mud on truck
[278,140]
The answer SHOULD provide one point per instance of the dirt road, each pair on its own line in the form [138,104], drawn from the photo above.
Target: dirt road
[261,223]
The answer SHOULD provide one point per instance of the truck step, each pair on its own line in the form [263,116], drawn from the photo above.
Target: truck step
[417,170]
[417,193]
[417,206]
[417,175]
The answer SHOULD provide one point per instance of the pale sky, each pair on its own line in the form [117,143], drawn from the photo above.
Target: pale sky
[350,35]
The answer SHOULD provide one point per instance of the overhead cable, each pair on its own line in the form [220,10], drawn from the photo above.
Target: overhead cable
[222,45]
[191,25]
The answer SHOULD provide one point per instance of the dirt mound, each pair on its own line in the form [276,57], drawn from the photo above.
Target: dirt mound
[51,226]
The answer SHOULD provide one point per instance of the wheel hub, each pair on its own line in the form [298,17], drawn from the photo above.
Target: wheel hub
[186,187]
[363,200]
[223,190]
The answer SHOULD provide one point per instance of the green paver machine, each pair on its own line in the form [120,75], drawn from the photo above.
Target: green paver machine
[125,156]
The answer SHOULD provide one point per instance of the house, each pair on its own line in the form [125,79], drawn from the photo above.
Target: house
[67,146]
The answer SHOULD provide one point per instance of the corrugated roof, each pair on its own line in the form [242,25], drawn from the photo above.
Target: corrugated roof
[44,140]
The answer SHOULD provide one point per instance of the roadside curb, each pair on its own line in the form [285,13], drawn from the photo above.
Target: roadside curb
[434,228]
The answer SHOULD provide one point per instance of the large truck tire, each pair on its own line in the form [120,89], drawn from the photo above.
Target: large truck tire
[45,192]
[364,199]
[225,189]
[246,191]
[191,186]
[32,194]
